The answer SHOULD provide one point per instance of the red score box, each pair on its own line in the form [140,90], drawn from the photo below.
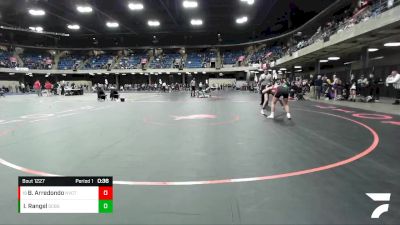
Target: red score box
[105,193]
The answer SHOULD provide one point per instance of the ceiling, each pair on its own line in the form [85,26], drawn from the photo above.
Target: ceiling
[265,18]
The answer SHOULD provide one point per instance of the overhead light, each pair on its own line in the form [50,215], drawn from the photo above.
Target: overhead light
[153,23]
[323,61]
[377,58]
[73,27]
[373,49]
[124,74]
[141,73]
[282,69]
[297,67]
[241,20]
[333,58]
[179,73]
[250,2]
[195,72]
[299,70]
[135,6]
[37,29]
[37,12]
[392,44]
[84,9]
[112,24]
[168,73]
[190,4]
[11,73]
[204,72]
[196,22]
[64,74]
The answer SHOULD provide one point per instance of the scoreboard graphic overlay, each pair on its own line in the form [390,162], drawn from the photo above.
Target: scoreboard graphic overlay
[65,194]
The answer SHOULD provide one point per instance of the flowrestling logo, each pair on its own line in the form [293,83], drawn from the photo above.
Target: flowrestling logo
[379,197]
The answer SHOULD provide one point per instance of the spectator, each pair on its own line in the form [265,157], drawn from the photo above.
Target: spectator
[48,86]
[334,87]
[2,92]
[318,87]
[38,87]
[394,79]
[55,88]
[339,89]
[62,87]
[353,88]
[23,88]
[371,87]
[312,86]
[363,86]
[376,88]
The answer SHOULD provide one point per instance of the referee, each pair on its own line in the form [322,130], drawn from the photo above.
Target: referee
[193,88]
[262,83]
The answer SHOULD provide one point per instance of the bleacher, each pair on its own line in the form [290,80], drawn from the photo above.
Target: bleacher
[67,62]
[194,60]
[231,57]
[98,62]
[131,61]
[5,59]
[37,60]
[164,61]
[264,52]
[257,56]
[210,55]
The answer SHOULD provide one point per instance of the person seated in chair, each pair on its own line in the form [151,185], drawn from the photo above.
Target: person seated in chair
[2,92]
[114,94]
[100,94]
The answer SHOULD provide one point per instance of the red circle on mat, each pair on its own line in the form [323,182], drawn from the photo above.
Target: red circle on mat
[372,116]
[358,156]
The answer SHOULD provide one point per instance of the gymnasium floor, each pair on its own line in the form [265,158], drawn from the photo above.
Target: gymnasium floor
[182,160]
